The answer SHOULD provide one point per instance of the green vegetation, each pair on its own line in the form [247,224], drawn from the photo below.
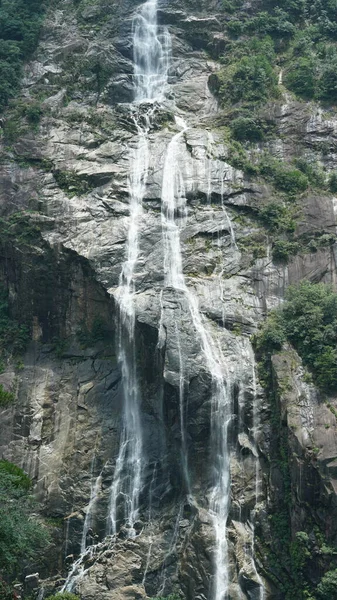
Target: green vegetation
[13,340]
[6,591]
[6,398]
[301,37]
[248,75]
[308,317]
[63,596]
[308,320]
[21,534]
[327,588]
[72,183]
[18,478]
[289,179]
[249,129]
[20,22]
[170,597]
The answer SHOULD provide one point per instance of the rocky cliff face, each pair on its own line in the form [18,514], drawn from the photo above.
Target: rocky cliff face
[70,178]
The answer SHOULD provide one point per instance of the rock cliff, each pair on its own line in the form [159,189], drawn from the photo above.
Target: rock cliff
[68,179]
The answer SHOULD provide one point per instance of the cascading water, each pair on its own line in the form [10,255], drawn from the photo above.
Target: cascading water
[95,489]
[127,481]
[151,52]
[151,58]
[151,49]
[172,206]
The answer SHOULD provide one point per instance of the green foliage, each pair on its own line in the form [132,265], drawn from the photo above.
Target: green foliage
[6,398]
[284,178]
[301,78]
[308,320]
[333,182]
[13,340]
[6,591]
[17,476]
[231,6]
[313,171]
[21,535]
[277,218]
[249,74]
[253,80]
[247,129]
[72,183]
[239,159]
[33,112]
[63,596]
[170,597]
[328,82]
[283,249]
[327,588]
[20,22]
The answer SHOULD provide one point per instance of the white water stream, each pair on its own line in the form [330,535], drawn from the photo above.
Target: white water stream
[172,206]
[151,53]
[151,58]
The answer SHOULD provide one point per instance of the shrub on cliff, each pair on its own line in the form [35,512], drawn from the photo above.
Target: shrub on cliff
[246,129]
[21,535]
[20,22]
[63,596]
[253,79]
[327,588]
[308,320]
[301,78]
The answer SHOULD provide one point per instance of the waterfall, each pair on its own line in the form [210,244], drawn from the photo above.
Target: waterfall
[151,55]
[258,482]
[172,208]
[95,489]
[151,64]
[127,481]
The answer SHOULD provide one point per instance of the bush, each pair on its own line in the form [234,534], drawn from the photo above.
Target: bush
[253,79]
[20,22]
[308,320]
[246,129]
[17,476]
[13,337]
[333,182]
[301,78]
[6,398]
[22,537]
[283,249]
[6,591]
[33,112]
[284,178]
[277,24]
[328,83]
[63,596]
[327,588]
[72,183]
[291,181]
[238,158]
[313,171]
[277,218]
